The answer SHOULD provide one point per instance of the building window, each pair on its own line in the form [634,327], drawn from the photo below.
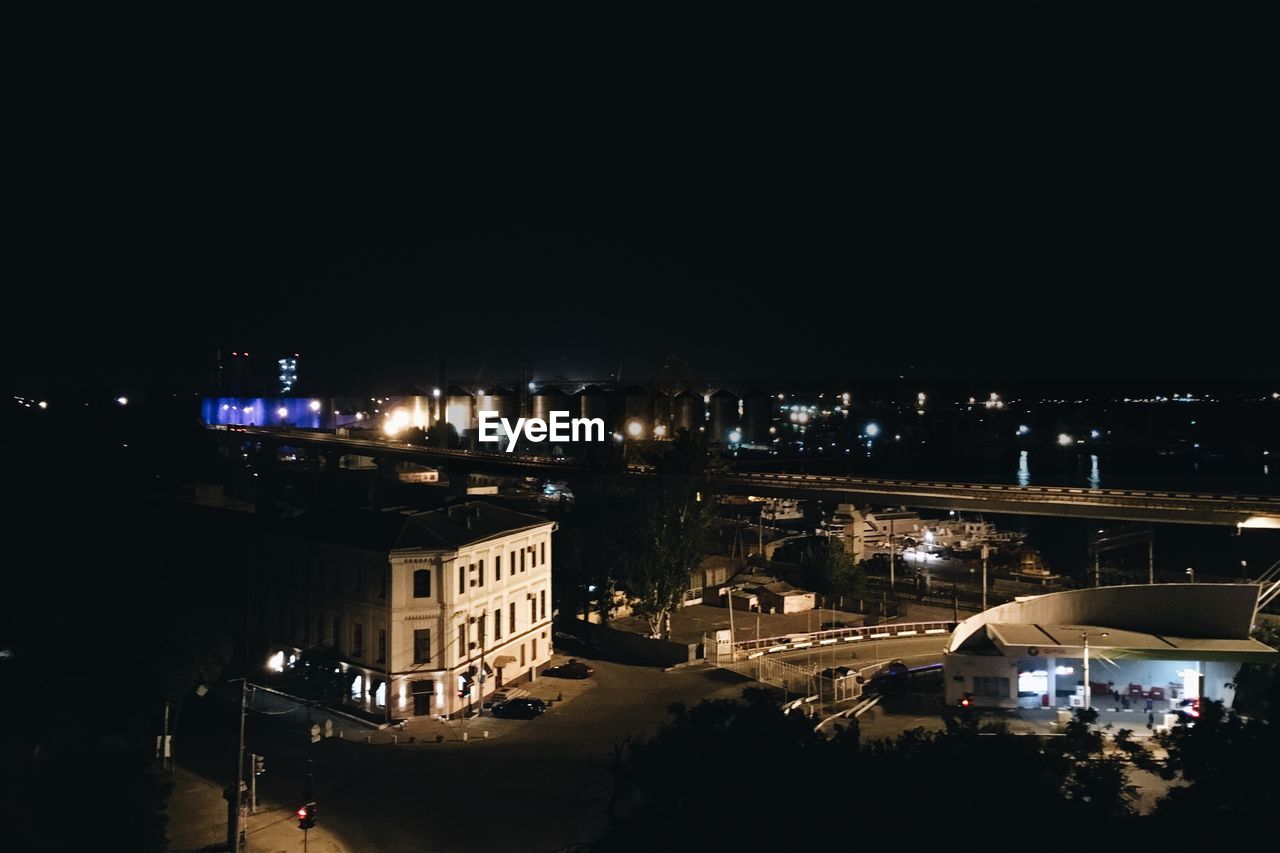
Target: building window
[462,578]
[542,603]
[497,568]
[991,686]
[462,641]
[382,645]
[357,640]
[522,654]
[512,625]
[533,610]
[481,573]
[497,624]
[422,583]
[422,645]
[473,571]
[522,552]
[543,546]
[512,563]
[534,653]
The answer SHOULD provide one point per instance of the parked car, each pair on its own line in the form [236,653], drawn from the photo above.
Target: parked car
[574,668]
[520,709]
[1188,709]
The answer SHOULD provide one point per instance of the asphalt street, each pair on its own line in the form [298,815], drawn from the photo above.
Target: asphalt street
[542,786]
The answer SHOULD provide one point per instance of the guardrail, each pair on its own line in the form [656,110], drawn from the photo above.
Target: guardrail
[717,650]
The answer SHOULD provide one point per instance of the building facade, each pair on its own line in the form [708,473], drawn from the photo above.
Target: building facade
[429,611]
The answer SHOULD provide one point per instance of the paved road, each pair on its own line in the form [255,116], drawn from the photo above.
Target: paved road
[539,787]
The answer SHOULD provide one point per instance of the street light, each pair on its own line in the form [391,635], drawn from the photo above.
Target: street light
[1065,440]
[1085,636]
[1191,573]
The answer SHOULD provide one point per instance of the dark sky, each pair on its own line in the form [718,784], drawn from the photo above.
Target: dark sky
[1078,225]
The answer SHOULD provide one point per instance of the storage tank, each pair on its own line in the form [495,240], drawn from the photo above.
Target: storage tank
[459,409]
[498,399]
[549,399]
[757,417]
[635,412]
[690,411]
[724,417]
[593,402]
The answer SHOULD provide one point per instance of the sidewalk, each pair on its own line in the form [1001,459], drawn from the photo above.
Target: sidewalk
[198,822]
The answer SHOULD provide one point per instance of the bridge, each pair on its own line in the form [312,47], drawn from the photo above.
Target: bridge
[1252,511]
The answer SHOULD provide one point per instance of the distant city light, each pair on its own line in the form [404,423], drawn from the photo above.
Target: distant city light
[735,436]
[635,429]
[1024,429]
[1094,434]
[660,431]
[872,430]
[314,405]
[43,404]
[1064,439]
[124,401]
[435,392]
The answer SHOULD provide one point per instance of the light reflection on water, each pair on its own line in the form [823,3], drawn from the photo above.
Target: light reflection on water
[1024,470]
[1095,476]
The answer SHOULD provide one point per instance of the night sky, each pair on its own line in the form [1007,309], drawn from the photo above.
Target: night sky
[1086,230]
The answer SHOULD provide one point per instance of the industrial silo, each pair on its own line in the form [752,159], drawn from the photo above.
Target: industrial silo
[724,417]
[549,399]
[593,402]
[690,412]
[459,409]
[757,417]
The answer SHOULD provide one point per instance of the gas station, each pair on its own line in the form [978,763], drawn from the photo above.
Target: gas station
[1150,649]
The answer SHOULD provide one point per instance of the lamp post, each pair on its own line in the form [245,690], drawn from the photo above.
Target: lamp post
[1085,636]
[1191,575]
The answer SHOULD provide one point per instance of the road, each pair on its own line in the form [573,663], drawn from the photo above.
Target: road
[539,787]
[1118,504]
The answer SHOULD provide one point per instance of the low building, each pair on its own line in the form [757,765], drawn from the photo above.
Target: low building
[416,604]
[1164,643]
[754,591]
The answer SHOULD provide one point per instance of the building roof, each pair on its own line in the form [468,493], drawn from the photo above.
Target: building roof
[444,529]
[463,524]
[1068,641]
[1171,621]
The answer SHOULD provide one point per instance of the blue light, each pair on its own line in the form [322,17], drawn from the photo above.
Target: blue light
[872,430]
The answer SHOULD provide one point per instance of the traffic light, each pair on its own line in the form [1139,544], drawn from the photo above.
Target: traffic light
[966,701]
[259,765]
[307,816]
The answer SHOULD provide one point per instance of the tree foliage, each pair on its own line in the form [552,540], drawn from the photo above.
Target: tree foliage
[674,516]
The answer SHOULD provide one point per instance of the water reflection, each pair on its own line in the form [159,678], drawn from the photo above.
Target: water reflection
[1095,477]
[1024,470]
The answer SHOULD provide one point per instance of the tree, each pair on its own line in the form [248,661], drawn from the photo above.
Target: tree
[824,566]
[675,519]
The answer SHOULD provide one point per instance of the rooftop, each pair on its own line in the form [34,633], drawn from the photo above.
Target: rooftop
[450,528]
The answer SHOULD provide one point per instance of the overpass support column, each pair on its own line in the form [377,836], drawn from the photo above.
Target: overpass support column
[267,465]
[459,477]
[383,475]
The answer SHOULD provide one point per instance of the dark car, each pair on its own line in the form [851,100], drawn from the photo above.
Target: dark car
[572,669]
[520,709]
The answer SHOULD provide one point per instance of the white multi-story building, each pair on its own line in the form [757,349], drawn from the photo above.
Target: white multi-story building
[418,605]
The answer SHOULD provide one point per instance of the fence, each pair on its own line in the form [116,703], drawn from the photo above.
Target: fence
[717,651]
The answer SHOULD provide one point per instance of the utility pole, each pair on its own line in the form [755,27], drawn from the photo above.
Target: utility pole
[1151,561]
[890,555]
[1097,569]
[236,823]
[1085,636]
[480,711]
[985,552]
[733,650]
